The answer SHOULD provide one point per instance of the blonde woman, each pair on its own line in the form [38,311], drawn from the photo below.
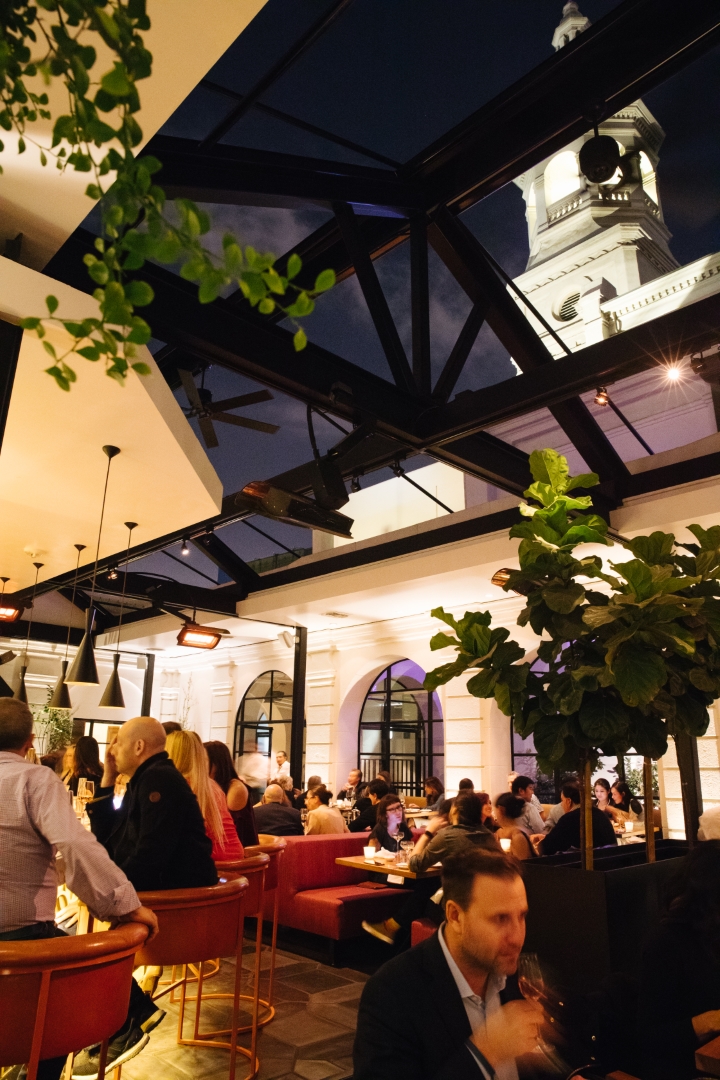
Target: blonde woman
[190,758]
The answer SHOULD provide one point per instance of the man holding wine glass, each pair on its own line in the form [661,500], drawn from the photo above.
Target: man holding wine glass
[451,1008]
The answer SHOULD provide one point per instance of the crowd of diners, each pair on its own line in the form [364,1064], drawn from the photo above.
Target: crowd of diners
[166,808]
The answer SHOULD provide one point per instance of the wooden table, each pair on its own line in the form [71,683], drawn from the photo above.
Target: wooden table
[384,866]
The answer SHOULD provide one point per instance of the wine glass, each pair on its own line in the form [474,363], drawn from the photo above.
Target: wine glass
[532,987]
[89,790]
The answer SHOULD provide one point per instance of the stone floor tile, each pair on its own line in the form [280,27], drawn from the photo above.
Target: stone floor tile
[350,973]
[312,982]
[342,1015]
[304,1029]
[317,1070]
[350,992]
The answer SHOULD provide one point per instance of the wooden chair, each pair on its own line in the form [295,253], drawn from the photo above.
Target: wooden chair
[61,994]
[198,925]
[274,846]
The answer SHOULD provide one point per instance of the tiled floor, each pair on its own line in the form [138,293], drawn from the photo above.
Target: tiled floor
[310,1037]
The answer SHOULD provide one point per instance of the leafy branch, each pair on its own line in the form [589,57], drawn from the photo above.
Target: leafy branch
[626,659]
[98,135]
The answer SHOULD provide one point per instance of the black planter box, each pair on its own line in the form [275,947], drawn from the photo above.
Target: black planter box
[588,924]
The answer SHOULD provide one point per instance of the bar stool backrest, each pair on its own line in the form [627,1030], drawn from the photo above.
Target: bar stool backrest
[61,994]
[195,924]
[273,846]
[254,869]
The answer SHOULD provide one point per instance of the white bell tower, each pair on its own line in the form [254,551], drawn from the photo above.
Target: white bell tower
[590,242]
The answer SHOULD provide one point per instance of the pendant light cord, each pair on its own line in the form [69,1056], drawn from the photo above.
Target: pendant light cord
[80,549]
[38,567]
[102,515]
[130,527]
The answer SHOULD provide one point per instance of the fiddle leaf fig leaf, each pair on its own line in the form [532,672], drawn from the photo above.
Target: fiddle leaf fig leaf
[442,641]
[602,716]
[654,549]
[638,673]
[563,598]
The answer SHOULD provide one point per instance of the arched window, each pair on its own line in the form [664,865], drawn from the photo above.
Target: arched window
[265,715]
[401,729]
[561,177]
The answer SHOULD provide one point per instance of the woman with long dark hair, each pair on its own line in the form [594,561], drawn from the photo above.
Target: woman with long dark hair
[435,792]
[222,771]
[603,797]
[86,763]
[391,829]
[680,991]
[623,803]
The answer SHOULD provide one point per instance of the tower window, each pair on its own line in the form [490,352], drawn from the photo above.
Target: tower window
[568,309]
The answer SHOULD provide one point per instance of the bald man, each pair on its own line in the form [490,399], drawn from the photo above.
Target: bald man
[158,835]
[274,816]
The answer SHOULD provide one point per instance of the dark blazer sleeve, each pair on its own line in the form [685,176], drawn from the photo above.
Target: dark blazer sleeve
[158,831]
[104,817]
[388,1045]
[560,838]
[366,820]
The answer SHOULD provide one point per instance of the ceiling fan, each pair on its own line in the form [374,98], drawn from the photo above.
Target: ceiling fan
[205,410]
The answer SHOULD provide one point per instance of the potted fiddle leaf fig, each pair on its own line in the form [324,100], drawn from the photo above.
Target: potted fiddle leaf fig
[628,656]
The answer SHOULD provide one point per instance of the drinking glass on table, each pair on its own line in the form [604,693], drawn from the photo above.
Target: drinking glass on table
[406,847]
[532,987]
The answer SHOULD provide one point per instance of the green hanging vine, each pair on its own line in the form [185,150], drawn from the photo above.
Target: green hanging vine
[98,135]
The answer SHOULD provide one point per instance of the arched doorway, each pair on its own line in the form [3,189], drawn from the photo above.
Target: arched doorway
[265,715]
[401,729]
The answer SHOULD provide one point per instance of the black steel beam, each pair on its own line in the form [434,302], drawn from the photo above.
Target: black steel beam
[227,560]
[457,359]
[662,341]
[465,259]
[314,32]
[633,49]
[175,594]
[240,177]
[148,684]
[374,298]
[420,305]
[488,459]
[10,341]
[297,727]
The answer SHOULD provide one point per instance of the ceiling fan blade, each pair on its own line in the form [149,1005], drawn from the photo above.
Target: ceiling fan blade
[241,421]
[243,399]
[190,388]
[208,432]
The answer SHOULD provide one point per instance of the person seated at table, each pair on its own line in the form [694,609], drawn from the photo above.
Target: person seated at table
[353,786]
[237,796]
[450,1008]
[274,817]
[86,763]
[556,811]
[171,725]
[190,758]
[376,790]
[36,821]
[533,816]
[624,805]
[323,818]
[313,782]
[602,799]
[391,829]
[487,811]
[680,982]
[508,811]
[434,792]
[466,785]
[285,783]
[440,841]
[385,775]
[566,834]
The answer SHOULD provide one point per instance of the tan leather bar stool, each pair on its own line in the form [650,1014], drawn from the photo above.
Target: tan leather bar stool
[61,994]
[274,846]
[198,925]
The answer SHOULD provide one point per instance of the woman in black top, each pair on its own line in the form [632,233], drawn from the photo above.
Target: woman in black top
[86,763]
[680,990]
[222,771]
[624,804]
[391,828]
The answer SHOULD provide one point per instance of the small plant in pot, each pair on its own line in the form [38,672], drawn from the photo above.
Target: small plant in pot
[628,656]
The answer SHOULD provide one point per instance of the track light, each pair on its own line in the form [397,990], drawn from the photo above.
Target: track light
[112,574]
[672,373]
[355,484]
[184,550]
[601,396]
[200,637]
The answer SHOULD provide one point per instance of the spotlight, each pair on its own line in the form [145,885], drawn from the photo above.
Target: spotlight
[200,637]
[601,396]
[672,373]
[184,550]
[112,574]
[355,484]
[599,159]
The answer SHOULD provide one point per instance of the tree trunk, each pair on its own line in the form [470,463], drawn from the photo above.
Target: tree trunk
[687,759]
[649,808]
[586,828]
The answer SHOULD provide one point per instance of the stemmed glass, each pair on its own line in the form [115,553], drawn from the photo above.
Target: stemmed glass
[407,850]
[532,987]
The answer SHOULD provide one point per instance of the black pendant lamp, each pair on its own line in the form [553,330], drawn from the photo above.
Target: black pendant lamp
[21,692]
[113,696]
[83,671]
[61,695]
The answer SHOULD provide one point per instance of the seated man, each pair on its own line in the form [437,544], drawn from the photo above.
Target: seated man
[272,816]
[376,790]
[36,820]
[566,834]
[353,784]
[532,820]
[450,1008]
[440,840]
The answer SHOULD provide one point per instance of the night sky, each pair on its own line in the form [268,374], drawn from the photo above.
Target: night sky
[393,75]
